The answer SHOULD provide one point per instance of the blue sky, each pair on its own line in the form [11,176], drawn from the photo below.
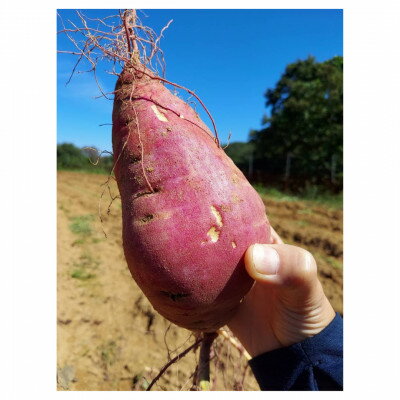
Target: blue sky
[227,57]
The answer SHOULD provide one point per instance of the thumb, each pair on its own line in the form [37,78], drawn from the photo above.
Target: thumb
[282,266]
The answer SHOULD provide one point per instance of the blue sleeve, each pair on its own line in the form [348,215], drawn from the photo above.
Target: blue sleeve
[315,363]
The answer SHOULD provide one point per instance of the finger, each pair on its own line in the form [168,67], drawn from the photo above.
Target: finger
[281,265]
[276,239]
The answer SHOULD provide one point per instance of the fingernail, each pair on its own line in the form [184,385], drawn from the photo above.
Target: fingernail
[265,259]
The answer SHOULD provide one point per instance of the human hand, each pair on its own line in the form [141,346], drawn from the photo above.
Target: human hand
[286,304]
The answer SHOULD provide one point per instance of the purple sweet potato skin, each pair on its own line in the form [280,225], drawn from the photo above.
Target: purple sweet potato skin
[184,241]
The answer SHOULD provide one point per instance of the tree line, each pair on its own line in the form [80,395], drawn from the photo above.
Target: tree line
[301,140]
[71,157]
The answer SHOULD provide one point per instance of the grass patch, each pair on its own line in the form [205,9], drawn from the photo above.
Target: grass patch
[84,267]
[95,171]
[82,274]
[109,352]
[311,195]
[330,200]
[305,211]
[333,262]
[81,225]
[302,223]
[329,260]
[77,242]
[275,193]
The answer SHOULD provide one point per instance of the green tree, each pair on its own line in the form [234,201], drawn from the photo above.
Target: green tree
[240,152]
[302,135]
[70,157]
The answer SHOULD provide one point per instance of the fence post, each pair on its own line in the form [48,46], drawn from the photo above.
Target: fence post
[287,169]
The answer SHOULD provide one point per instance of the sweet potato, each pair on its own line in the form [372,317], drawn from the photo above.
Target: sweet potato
[188,212]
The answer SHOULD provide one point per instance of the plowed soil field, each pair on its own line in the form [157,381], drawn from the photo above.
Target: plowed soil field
[109,337]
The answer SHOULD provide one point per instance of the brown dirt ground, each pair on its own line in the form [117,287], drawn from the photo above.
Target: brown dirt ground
[109,337]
